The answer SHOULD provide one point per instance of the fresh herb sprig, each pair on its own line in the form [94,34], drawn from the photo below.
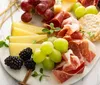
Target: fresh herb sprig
[41,74]
[91,34]
[4,42]
[52,29]
[34,42]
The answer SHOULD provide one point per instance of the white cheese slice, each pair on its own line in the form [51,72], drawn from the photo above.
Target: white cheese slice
[15,48]
[19,32]
[27,39]
[28,27]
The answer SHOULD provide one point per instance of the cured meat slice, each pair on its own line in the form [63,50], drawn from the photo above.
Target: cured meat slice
[88,2]
[72,23]
[62,32]
[86,53]
[81,49]
[77,35]
[79,70]
[68,38]
[58,19]
[74,46]
[65,31]
[60,66]
[72,61]
[61,76]
[70,66]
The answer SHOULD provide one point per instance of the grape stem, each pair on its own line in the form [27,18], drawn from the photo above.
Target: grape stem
[28,74]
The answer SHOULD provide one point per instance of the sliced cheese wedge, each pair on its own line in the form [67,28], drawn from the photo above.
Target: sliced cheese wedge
[19,32]
[27,39]
[15,48]
[28,27]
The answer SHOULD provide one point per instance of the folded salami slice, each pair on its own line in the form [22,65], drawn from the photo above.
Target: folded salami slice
[58,19]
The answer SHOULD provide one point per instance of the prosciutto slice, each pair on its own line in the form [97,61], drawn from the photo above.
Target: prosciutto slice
[85,51]
[61,76]
[69,67]
[74,61]
[88,2]
[81,49]
[72,23]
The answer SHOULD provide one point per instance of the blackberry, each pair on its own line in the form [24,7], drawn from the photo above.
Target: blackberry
[26,54]
[30,64]
[14,62]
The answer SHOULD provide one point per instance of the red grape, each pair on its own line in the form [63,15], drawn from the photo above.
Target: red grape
[41,8]
[25,6]
[49,3]
[48,15]
[34,2]
[26,17]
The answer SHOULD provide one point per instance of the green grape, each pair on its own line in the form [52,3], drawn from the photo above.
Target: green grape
[91,10]
[47,47]
[80,12]
[76,5]
[51,39]
[48,64]
[61,45]
[55,56]
[38,56]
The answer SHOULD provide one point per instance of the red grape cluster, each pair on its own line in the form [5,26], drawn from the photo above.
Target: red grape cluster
[41,7]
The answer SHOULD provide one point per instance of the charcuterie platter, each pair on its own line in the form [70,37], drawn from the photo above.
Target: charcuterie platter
[53,42]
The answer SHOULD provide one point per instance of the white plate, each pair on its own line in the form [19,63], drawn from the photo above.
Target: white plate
[19,75]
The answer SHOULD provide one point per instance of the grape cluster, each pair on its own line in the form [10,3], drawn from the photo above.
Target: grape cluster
[79,10]
[50,52]
[41,7]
